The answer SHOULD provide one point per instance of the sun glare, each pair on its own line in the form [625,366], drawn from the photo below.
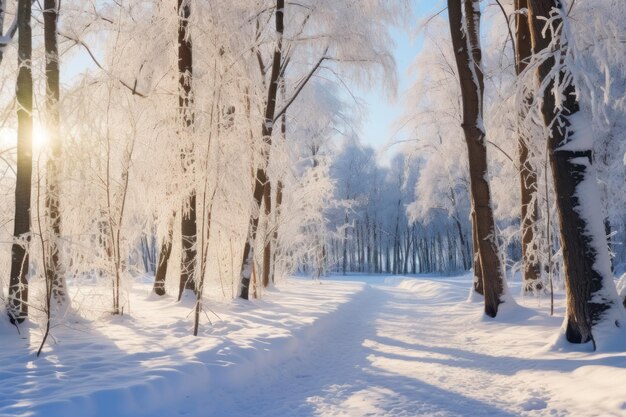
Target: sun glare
[8,137]
[40,137]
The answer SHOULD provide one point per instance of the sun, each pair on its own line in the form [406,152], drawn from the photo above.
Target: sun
[40,137]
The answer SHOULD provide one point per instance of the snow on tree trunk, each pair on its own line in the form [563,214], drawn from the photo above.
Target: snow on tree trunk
[164,257]
[590,290]
[185,101]
[478,270]
[55,272]
[261,183]
[528,174]
[465,39]
[18,284]
[267,249]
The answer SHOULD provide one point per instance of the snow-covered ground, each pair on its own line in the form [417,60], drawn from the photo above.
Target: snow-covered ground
[347,347]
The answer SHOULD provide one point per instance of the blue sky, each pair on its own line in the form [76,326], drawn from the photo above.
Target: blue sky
[377,128]
[378,125]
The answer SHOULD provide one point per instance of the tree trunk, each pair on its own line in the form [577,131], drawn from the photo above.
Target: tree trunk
[345,246]
[459,229]
[188,227]
[279,193]
[18,284]
[478,270]
[53,92]
[164,258]
[10,33]
[261,179]
[528,174]
[465,39]
[375,249]
[279,202]
[590,289]
[267,249]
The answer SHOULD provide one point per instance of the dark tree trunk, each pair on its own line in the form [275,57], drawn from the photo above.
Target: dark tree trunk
[18,284]
[368,243]
[588,278]
[344,266]
[466,44]
[279,202]
[407,249]
[414,250]
[459,229]
[375,249]
[55,272]
[261,179]
[164,258]
[189,230]
[267,249]
[478,270]
[528,174]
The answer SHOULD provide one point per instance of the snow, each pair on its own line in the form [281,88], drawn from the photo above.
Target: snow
[350,346]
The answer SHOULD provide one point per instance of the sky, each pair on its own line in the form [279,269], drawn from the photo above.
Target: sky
[378,129]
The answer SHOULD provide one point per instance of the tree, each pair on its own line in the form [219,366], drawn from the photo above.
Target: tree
[464,28]
[590,289]
[262,190]
[185,102]
[55,272]
[164,258]
[18,285]
[528,174]
[11,31]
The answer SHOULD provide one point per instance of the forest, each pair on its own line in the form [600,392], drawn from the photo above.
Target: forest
[188,201]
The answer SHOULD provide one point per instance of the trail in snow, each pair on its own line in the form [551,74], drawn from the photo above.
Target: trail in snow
[356,346]
[349,369]
[415,347]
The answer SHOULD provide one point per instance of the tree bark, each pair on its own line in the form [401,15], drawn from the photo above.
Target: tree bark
[189,230]
[164,257]
[528,174]
[590,290]
[279,192]
[261,179]
[18,283]
[53,93]
[478,270]
[465,40]
[267,249]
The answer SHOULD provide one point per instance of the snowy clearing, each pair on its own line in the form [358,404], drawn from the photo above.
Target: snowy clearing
[347,347]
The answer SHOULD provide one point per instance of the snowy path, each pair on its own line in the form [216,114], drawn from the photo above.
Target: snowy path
[420,350]
[352,370]
[366,346]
